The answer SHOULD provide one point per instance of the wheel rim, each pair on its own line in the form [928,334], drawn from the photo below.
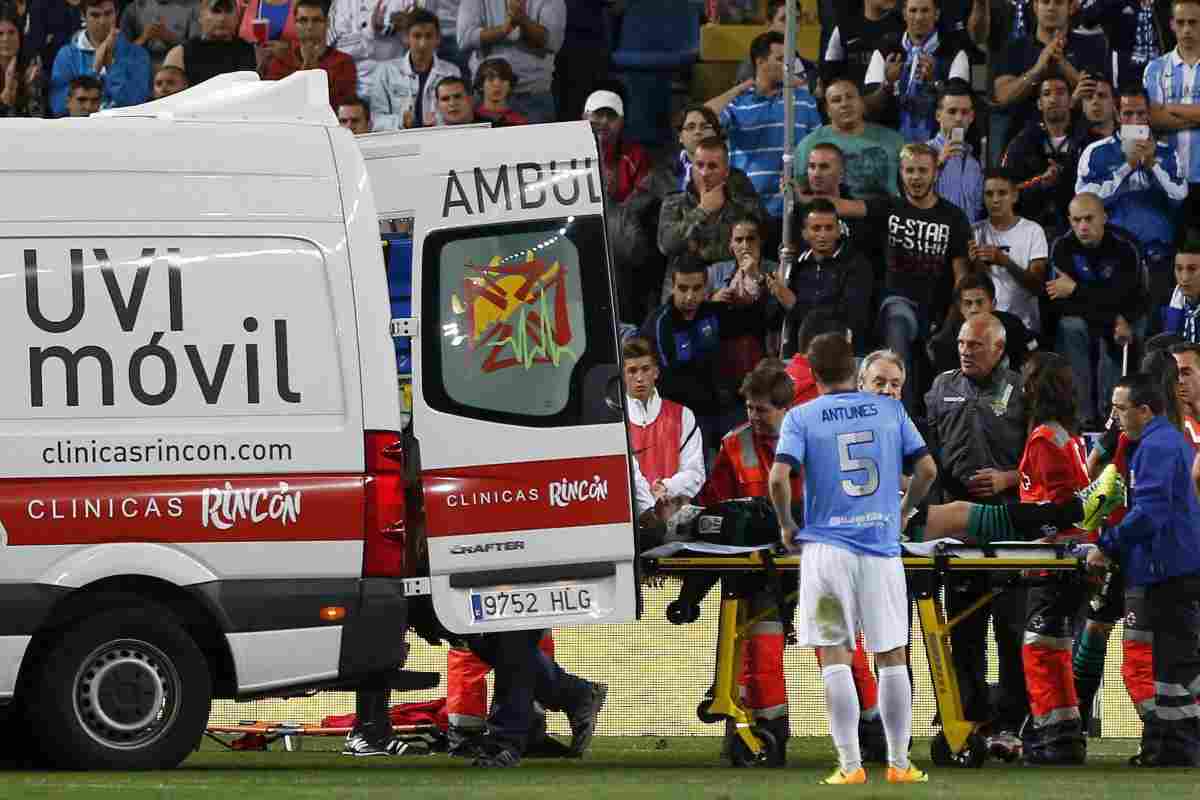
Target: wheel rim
[126,694]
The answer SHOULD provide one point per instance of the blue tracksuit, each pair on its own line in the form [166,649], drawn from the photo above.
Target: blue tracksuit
[1159,537]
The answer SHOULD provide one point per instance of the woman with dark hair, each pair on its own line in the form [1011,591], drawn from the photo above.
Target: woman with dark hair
[20,90]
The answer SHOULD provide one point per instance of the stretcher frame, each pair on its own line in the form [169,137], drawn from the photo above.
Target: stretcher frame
[927,576]
[292,732]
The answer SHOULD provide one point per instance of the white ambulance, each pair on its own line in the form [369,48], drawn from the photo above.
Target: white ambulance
[209,488]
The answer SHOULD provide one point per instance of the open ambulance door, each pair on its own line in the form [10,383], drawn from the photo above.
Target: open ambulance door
[517,403]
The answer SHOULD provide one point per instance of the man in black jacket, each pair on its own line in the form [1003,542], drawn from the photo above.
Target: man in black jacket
[975,295]
[831,273]
[686,333]
[1096,294]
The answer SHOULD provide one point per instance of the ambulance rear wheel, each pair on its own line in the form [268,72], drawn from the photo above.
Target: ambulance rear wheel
[125,689]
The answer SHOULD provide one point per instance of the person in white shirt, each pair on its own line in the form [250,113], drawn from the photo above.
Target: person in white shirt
[666,440]
[1011,249]
[363,30]
[404,91]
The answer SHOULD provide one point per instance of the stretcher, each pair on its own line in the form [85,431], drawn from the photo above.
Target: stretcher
[927,565]
[256,735]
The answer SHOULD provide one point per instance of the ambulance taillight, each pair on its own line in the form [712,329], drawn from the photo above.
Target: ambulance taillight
[385,530]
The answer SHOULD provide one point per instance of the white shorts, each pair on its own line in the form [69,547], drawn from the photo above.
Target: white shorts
[843,594]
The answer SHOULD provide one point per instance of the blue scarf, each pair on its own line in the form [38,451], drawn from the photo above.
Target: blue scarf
[917,97]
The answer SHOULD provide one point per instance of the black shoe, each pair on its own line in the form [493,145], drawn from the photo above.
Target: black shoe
[460,741]
[583,718]
[1065,754]
[489,751]
[872,741]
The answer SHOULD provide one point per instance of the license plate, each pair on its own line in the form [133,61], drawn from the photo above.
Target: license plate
[542,601]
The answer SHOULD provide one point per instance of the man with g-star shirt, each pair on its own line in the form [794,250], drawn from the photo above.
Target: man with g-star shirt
[925,245]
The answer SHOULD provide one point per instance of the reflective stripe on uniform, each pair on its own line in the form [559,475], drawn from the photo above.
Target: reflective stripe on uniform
[767,627]
[771,712]
[1047,642]
[1171,689]
[1174,714]
[1134,635]
[465,721]
[1056,716]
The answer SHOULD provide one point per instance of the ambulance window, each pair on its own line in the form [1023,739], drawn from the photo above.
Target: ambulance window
[510,337]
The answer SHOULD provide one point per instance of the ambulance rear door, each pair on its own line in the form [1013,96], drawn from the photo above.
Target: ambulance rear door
[516,392]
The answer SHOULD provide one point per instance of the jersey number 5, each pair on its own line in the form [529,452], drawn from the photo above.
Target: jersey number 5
[850,464]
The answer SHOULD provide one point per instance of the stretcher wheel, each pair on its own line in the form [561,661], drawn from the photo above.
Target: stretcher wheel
[742,757]
[681,613]
[703,713]
[971,757]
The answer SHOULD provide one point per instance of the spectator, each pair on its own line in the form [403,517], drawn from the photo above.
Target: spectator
[687,332]
[1012,250]
[1043,159]
[100,49]
[804,71]
[1181,316]
[1187,359]
[20,79]
[1099,118]
[824,179]
[967,20]
[752,114]
[1137,31]
[455,104]
[976,295]
[159,25]
[624,164]
[977,427]
[1142,190]
[526,33]
[699,219]
[926,255]
[168,80]
[396,17]
[1054,50]
[282,33]
[870,152]
[854,39]
[83,96]
[218,50]
[52,23]
[310,51]
[664,435]
[746,282]
[960,176]
[494,83]
[831,273]
[634,226]
[1174,90]
[402,90]
[355,115]
[364,31]
[1096,295]
[906,70]
[817,322]
[582,63]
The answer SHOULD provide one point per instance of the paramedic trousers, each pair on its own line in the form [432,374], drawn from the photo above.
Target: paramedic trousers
[1055,726]
[969,648]
[523,674]
[1174,609]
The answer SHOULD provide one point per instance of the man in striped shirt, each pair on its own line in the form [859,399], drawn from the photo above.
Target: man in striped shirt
[1173,84]
[752,114]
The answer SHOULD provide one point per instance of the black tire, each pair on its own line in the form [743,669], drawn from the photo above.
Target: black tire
[740,755]
[975,753]
[703,714]
[939,751]
[125,689]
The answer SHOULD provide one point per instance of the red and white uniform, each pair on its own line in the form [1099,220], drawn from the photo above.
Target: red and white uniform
[1052,470]
[667,444]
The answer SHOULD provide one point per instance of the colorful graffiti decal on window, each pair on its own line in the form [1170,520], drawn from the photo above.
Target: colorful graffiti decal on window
[518,312]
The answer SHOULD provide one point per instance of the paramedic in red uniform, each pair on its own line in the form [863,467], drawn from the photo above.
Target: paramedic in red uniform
[663,433]
[741,470]
[1052,469]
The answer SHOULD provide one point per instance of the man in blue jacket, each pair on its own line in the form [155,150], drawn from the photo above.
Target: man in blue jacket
[100,50]
[1158,547]
[1141,186]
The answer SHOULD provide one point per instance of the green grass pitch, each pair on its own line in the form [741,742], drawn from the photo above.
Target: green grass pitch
[618,767]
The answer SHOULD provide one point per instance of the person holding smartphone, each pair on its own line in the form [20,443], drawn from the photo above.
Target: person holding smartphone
[1142,187]
[960,176]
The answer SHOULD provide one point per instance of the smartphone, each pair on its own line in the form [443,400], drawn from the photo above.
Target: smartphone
[1131,134]
[957,135]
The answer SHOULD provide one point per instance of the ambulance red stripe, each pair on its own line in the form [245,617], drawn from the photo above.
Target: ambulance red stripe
[179,509]
[528,495]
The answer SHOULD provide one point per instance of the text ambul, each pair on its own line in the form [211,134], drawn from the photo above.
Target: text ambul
[534,185]
[210,377]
